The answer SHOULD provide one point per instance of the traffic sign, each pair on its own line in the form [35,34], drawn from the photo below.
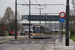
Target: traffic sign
[61,20]
[62,14]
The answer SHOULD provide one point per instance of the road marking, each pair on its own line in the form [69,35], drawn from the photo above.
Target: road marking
[25,41]
[41,42]
[49,49]
[50,41]
[33,42]
[16,41]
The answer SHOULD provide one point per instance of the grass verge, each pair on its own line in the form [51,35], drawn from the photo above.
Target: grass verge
[53,34]
[73,38]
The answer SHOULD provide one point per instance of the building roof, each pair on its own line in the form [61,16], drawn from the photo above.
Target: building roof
[37,22]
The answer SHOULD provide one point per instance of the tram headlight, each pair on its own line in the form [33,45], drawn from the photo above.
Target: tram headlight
[33,34]
[42,34]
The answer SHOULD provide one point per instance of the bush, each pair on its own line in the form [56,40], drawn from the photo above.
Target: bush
[2,33]
[6,35]
[73,38]
[72,32]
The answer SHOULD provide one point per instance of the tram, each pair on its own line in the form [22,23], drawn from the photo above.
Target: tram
[40,31]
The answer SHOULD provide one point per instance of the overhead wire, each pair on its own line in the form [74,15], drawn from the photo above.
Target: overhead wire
[44,10]
[47,7]
[38,3]
[55,1]
[26,3]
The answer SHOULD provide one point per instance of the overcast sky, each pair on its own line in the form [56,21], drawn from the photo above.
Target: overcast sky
[24,10]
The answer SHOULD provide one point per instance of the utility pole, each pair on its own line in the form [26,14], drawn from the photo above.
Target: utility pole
[67,23]
[45,19]
[62,32]
[59,31]
[73,2]
[15,19]
[29,18]
[52,23]
[55,27]
[48,20]
[40,12]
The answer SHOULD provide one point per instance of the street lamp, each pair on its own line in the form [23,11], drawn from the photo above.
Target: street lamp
[73,2]
[29,18]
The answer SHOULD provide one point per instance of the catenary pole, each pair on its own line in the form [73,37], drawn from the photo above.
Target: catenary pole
[15,19]
[40,13]
[29,18]
[67,23]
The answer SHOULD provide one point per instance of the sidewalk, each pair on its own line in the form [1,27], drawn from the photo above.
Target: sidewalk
[8,38]
[61,45]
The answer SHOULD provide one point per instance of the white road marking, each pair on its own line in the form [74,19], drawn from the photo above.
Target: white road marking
[41,42]
[33,42]
[16,41]
[25,41]
[50,42]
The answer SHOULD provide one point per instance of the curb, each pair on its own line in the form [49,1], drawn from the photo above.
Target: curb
[6,40]
[57,42]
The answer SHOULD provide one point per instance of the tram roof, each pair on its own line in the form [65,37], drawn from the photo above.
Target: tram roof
[46,27]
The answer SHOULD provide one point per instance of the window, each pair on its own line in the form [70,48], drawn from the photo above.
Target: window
[37,30]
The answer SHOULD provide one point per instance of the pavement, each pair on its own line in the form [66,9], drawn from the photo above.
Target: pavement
[29,44]
[9,38]
[61,45]
[37,44]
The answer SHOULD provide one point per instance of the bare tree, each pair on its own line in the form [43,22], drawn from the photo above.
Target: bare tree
[9,19]
[8,16]
[72,13]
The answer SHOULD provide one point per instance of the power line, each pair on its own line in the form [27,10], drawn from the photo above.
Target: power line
[31,8]
[41,4]
[43,10]
[45,3]
[37,3]
[55,1]
[47,7]
[24,1]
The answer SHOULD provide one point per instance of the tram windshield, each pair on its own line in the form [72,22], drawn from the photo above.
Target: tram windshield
[37,30]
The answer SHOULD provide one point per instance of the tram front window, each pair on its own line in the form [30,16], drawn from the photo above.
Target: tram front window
[37,30]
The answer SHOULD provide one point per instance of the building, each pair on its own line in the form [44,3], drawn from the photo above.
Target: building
[51,21]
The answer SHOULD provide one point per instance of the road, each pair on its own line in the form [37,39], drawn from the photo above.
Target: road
[29,44]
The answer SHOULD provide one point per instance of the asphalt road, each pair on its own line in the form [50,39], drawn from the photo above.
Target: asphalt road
[29,44]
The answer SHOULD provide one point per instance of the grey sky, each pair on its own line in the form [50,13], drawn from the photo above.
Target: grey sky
[23,10]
